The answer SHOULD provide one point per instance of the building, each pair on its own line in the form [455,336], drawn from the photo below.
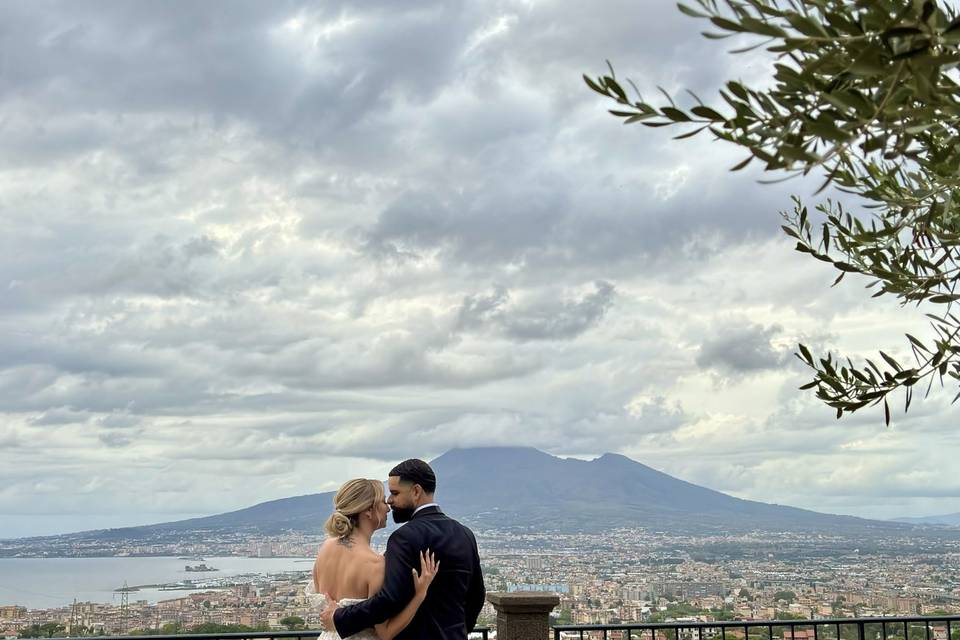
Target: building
[12,612]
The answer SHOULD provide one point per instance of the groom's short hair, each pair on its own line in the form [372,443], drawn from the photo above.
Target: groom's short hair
[417,472]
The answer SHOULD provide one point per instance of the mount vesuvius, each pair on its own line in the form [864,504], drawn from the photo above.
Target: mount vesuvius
[523,488]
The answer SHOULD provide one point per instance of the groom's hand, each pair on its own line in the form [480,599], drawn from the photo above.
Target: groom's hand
[326,616]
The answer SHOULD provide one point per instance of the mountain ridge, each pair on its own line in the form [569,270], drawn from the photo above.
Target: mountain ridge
[590,485]
[944,520]
[522,488]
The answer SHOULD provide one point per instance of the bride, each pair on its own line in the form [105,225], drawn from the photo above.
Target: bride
[348,570]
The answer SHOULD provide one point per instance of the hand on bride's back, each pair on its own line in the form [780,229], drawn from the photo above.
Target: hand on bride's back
[429,566]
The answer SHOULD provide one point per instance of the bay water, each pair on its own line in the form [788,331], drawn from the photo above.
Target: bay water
[41,583]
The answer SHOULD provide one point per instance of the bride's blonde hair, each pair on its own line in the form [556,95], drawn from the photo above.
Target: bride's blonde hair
[353,498]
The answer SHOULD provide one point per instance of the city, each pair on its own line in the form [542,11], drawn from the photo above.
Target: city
[623,576]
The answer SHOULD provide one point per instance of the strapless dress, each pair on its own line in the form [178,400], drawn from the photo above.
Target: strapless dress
[319,601]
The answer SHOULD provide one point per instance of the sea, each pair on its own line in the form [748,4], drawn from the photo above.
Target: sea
[43,583]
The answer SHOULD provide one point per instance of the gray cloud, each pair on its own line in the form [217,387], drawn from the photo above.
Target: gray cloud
[114,440]
[742,349]
[545,319]
[321,238]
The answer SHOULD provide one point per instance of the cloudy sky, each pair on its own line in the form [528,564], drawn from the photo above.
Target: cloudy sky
[251,249]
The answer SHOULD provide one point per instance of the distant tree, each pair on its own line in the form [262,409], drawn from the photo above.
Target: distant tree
[917,632]
[681,610]
[849,632]
[724,613]
[213,628]
[45,630]
[836,607]
[786,615]
[786,596]
[866,94]
[743,593]
[293,623]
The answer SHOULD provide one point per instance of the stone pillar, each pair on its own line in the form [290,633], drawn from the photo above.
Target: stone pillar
[523,615]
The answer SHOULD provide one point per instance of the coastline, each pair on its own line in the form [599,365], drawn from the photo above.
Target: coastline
[52,582]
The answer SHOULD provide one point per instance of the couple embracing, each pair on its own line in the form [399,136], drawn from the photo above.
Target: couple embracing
[428,583]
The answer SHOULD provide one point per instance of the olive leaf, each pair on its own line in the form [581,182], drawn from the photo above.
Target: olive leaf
[865,93]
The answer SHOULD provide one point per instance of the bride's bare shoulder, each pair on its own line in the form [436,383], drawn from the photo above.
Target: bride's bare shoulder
[329,543]
[327,548]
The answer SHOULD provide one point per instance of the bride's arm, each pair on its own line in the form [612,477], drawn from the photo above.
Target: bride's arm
[396,624]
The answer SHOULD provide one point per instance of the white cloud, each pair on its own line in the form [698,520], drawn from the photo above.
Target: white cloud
[248,253]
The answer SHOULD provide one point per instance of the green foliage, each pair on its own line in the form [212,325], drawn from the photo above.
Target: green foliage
[213,627]
[723,613]
[787,596]
[293,623]
[786,615]
[45,630]
[866,94]
[681,610]
[168,629]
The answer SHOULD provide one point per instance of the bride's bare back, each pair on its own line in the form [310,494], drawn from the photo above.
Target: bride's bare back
[347,569]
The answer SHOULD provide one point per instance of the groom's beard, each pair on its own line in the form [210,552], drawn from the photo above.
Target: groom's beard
[402,514]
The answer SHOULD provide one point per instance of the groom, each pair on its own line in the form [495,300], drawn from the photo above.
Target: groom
[456,595]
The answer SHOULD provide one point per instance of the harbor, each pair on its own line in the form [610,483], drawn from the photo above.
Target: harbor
[50,582]
[213,584]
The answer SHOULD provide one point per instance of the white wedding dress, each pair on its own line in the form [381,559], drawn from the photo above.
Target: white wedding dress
[319,601]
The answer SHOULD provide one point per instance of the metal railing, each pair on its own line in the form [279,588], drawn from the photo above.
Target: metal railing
[481,633]
[885,628]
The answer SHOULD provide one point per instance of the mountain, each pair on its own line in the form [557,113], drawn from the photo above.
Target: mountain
[523,488]
[948,519]
[510,487]
[300,513]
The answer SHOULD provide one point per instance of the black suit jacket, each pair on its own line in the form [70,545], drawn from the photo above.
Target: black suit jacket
[455,596]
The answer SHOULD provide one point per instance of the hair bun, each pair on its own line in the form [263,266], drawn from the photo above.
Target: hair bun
[353,498]
[339,525]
